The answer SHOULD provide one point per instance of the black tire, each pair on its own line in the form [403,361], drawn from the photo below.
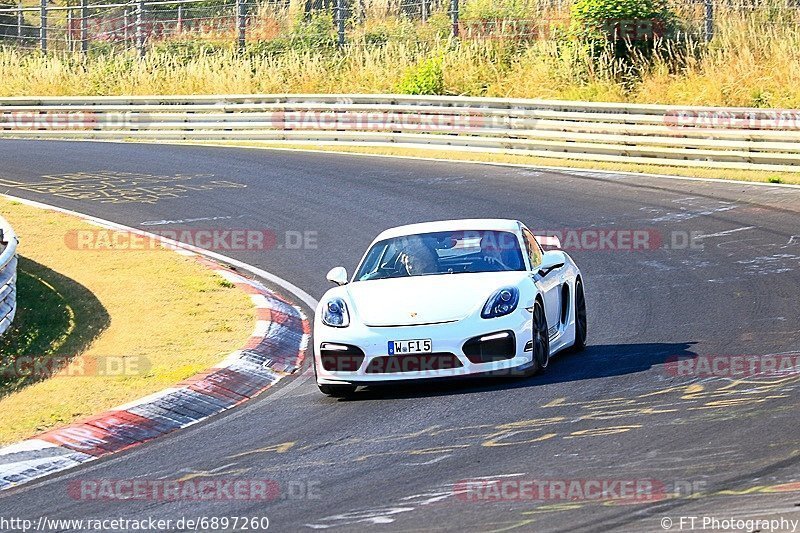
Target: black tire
[580,318]
[337,391]
[540,341]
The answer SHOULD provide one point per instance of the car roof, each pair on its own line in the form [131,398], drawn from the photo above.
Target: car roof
[474,224]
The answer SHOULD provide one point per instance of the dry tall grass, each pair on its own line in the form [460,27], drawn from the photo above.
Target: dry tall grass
[753,60]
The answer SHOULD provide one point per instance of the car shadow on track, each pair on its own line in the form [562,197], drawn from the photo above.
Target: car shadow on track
[597,361]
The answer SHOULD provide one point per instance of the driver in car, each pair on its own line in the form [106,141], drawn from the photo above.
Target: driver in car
[490,250]
[418,259]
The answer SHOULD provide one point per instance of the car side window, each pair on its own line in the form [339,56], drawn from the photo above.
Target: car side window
[533,248]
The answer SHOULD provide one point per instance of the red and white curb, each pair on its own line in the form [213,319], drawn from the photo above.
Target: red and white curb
[275,350]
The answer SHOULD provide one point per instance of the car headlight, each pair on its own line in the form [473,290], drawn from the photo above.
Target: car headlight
[335,314]
[501,303]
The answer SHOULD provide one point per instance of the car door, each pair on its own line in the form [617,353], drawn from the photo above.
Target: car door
[549,285]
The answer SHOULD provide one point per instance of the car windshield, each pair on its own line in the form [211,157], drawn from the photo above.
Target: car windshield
[444,252]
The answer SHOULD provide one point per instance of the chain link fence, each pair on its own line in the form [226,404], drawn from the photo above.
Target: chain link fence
[83,26]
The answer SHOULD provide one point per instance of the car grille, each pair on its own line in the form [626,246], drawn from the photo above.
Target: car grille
[393,364]
[499,346]
[340,357]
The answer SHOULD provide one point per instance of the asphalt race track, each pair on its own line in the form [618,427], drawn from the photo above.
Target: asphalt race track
[721,276]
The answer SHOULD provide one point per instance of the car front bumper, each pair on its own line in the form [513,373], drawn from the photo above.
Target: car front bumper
[447,338]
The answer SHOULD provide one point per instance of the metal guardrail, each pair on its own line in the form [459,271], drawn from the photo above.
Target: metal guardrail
[8,275]
[736,138]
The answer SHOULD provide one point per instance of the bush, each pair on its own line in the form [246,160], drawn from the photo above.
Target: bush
[269,48]
[384,32]
[495,10]
[313,33]
[628,24]
[424,78]
[186,51]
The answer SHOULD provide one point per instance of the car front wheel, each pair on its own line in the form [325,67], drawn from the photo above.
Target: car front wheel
[580,318]
[540,341]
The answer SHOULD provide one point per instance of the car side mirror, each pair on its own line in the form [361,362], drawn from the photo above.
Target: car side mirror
[338,275]
[551,261]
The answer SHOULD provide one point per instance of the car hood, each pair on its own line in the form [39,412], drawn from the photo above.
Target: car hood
[425,299]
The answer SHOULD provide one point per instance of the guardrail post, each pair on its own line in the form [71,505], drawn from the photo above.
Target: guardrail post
[68,33]
[140,28]
[709,32]
[341,14]
[84,26]
[126,21]
[19,20]
[425,9]
[241,24]
[180,18]
[454,16]
[43,25]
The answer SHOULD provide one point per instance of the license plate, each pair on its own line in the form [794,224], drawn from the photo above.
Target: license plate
[410,346]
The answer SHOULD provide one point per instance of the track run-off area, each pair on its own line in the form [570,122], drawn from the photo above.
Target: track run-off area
[672,269]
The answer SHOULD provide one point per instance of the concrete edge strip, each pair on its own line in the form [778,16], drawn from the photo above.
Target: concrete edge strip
[580,171]
[275,349]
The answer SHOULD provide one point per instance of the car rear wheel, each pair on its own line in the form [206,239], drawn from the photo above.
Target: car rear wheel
[580,318]
[337,391]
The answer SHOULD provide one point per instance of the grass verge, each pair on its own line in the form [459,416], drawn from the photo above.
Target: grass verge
[130,322]
[742,175]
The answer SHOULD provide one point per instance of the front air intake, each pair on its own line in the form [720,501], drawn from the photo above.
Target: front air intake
[337,357]
[491,347]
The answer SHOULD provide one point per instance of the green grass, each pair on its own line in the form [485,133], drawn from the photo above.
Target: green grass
[90,307]
[56,316]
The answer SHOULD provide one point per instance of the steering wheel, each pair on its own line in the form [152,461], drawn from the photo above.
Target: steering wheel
[494,264]
[394,265]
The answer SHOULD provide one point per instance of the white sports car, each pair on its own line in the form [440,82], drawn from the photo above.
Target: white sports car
[447,299]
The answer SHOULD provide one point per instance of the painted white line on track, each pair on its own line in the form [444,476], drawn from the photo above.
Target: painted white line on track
[724,233]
